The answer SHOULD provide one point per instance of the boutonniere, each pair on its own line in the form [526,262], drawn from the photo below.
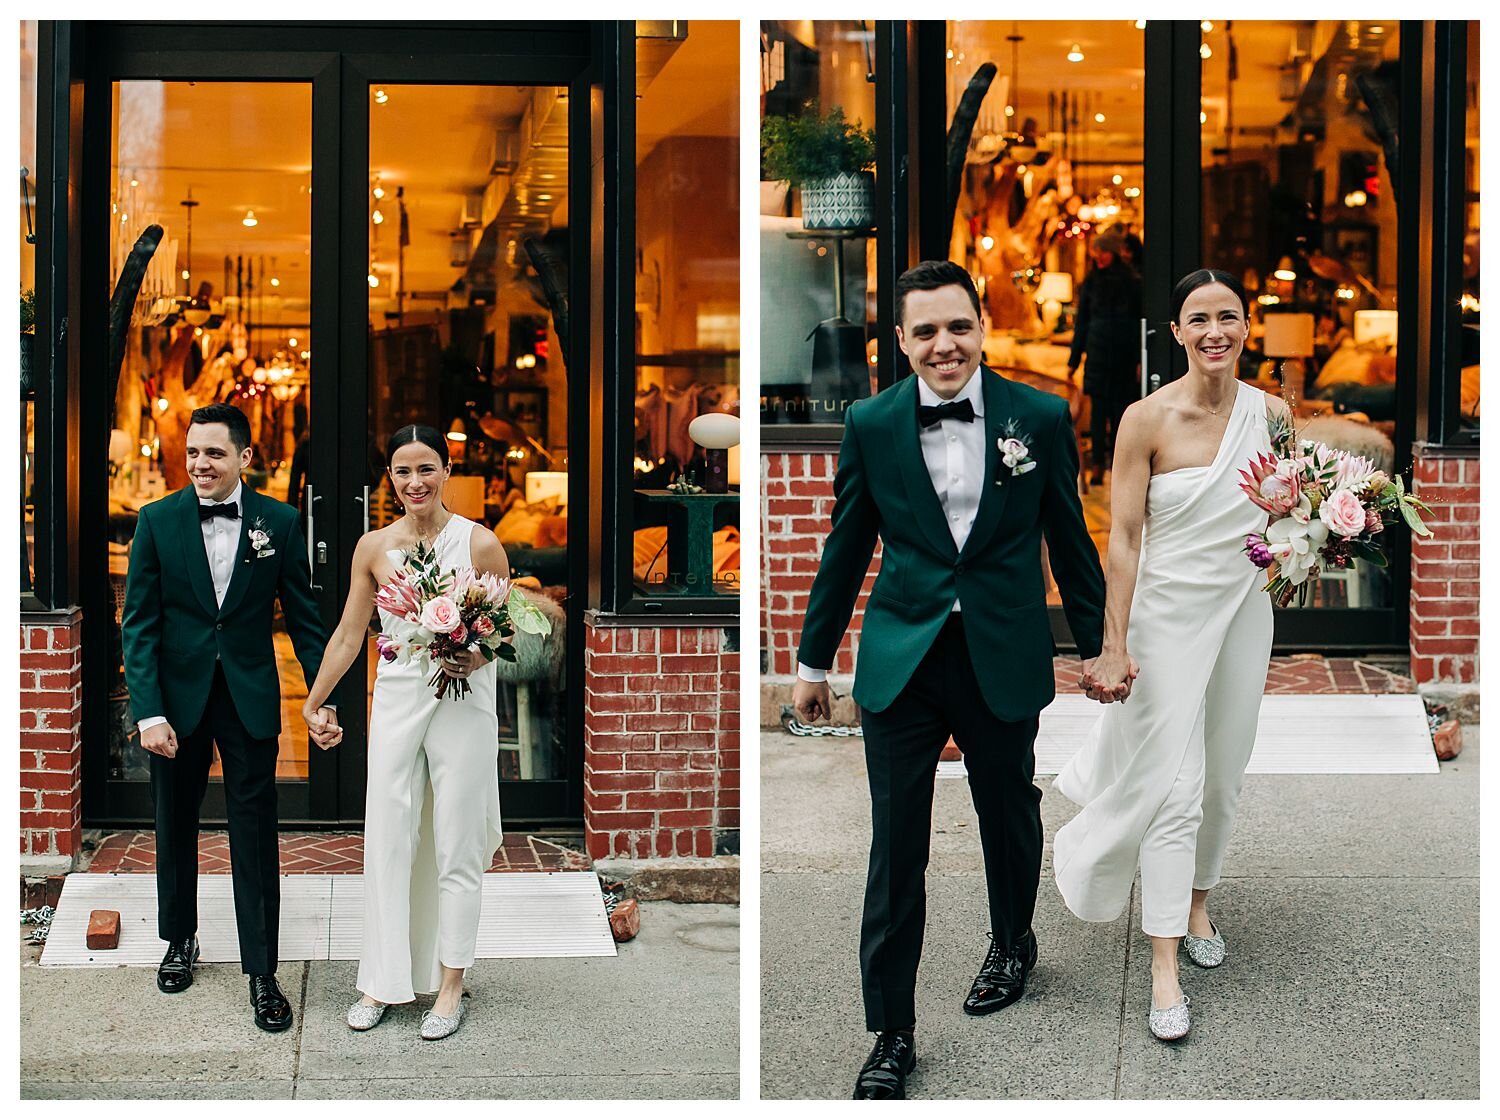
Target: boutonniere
[1015,456]
[260,540]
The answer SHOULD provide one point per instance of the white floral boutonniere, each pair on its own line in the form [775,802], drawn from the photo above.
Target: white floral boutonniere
[1015,456]
[260,539]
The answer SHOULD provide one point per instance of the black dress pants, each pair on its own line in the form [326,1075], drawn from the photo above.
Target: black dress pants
[177,787]
[1107,407]
[902,746]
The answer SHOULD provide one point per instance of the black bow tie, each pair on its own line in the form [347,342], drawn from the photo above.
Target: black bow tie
[930,414]
[223,509]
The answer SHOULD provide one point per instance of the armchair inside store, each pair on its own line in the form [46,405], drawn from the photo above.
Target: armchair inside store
[372,229]
[1087,166]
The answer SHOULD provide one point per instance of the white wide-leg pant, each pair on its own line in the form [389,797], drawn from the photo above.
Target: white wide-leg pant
[432,825]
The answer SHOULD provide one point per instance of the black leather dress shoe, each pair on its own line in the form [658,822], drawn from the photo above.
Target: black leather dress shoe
[175,973]
[883,1076]
[1002,978]
[272,1011]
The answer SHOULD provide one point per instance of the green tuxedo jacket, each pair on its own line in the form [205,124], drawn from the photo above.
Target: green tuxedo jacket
[883,490]
[174,630]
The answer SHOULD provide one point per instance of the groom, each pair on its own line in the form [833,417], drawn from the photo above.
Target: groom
[959,473]
[205,566]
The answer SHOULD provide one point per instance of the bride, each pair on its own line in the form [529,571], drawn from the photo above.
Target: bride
[432,806]
[1160,774]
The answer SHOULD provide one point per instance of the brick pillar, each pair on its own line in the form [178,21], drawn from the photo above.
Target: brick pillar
[1445,569]
[51,742]
[795,515]
[661,763]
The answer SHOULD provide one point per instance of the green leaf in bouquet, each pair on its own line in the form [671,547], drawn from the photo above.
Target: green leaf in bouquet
[526,617]
[506,652]
[1370,552]
[1413,520]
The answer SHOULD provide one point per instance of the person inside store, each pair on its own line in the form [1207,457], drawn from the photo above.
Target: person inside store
[1107,341]
[960,474]
[208,565]
[1158,778]
[432,804]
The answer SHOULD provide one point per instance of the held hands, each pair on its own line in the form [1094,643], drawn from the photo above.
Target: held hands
[1108,677]
[812,700]
[160,739]
[323,727]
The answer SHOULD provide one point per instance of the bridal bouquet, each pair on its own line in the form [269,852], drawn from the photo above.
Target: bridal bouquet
[1327,507]
[437,614]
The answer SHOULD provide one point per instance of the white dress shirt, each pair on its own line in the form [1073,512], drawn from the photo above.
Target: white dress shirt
[954,453]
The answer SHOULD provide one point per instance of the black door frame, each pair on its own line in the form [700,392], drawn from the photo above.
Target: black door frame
[338,61]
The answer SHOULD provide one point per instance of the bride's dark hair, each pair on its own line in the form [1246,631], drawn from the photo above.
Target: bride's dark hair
[1202,278]
[417,433]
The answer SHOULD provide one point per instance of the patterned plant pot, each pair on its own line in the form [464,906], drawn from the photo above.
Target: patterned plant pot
[846,201]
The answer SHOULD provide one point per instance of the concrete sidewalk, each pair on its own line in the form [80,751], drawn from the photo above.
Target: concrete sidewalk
[1350,905]
[661,1020]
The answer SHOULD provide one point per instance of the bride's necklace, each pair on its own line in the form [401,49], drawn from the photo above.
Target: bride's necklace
[426,539]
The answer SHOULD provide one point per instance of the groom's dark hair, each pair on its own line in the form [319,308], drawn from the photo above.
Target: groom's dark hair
[226,414]
[929,276]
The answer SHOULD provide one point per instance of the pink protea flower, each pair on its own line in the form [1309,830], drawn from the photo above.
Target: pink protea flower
[483,627]
[1272,484]
[399,598]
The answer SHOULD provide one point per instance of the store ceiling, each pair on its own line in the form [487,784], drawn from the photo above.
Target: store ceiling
[243,146]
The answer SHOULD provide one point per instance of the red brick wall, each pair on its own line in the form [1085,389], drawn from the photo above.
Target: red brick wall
[1445,570]
[661,761]
[51,745]
[795,514]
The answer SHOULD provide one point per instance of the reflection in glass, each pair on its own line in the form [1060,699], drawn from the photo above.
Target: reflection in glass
[222,315]
[817,293]
[28,57]
[1049,214]
[468,207]
[1468,396]
[685,538]
[1298,203]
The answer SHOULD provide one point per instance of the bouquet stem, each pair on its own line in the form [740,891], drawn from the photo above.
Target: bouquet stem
[455,687]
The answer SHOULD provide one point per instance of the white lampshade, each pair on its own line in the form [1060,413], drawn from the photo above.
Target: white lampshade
[1055,285]
[715,429]
[734,465]
[1289,335]
[1375,326]
[120,445]
[542,485]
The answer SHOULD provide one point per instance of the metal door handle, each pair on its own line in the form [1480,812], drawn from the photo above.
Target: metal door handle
[364,501]
[312,500]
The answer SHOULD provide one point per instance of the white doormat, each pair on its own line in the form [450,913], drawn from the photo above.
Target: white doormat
[523,914]
[1326,734]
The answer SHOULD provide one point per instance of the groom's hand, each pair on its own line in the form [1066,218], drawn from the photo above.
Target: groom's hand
[160,739]
[333,734]
[812,701]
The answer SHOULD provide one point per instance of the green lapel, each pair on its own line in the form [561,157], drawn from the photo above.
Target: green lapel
[193,553]
[926,507]
[999,406]
[243,561]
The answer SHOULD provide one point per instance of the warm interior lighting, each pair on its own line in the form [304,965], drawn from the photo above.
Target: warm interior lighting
[250,219]
[1010,110]
[1075,54]
[1140,25]
[374,283]
[987,242]
[1205,51]
[275,281]
[161,404]
[378,192]
[377,217]
[1469,303]
[1098,118]
[1202,117]
[291,343]
[1207,25]
[1356,198]
[456,431]
[1117,179]
[185,274]
[381,97]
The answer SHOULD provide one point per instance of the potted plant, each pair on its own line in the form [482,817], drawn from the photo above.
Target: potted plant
[28,337]
[828,157]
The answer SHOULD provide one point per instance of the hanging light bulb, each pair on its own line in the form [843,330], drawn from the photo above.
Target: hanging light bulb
[381,97]
[1206,51]
[1207,25]
[1076,54]
[1202,117]
[1098,118]
[377,217]
[291,343]
[378,192]
[276,281]
[374,283]
[249,219]
[1140,25]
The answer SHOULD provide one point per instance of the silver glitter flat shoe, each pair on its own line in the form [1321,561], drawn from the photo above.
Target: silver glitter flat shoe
[362,1016]
[435,1026]
[1205,952]
[1171,1023]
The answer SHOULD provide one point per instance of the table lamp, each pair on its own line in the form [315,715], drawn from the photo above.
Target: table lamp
[1289,335]
[543,485]
[1375,327]
[716,433]
[1055,289]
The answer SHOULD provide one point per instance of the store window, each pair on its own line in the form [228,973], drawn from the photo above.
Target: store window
[29,357]
[1468,393]
[1298,203]
[1048,218]
[817,236]
[685,538]
[468,208]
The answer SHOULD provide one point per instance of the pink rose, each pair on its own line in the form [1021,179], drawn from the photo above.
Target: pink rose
[483,627]
[1342,512]
[459,635]
[441,615]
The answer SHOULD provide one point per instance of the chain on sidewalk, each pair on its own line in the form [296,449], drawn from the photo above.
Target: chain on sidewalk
[794,726]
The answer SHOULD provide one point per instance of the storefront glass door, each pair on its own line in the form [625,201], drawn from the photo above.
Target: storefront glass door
[348,247]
